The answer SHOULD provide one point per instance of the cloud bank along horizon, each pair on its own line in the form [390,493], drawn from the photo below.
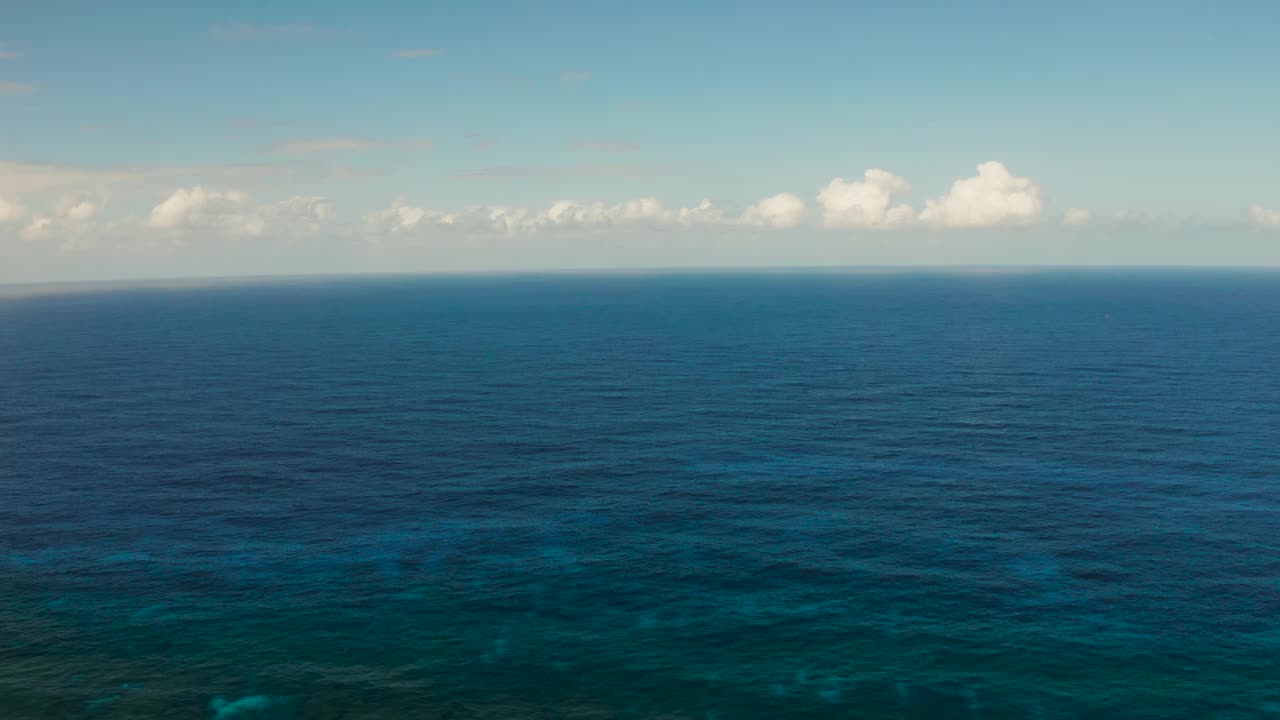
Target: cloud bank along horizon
[866,220]
[383,138]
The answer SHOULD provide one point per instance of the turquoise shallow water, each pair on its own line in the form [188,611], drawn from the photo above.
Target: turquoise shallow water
[907,495]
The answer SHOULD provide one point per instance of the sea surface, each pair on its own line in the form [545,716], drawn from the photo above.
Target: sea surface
[973,495]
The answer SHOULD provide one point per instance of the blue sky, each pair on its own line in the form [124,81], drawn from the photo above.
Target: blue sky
[1130,113]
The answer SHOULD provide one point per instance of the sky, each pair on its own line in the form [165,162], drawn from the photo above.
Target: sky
[150,139]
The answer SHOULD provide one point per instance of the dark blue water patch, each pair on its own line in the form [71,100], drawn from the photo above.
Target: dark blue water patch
[1035,495]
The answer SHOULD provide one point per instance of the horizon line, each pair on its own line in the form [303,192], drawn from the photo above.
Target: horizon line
[10,290]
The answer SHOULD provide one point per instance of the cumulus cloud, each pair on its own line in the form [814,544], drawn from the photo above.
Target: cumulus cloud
[419,53]
[10,210]
[783,210]
[307,208]
[705,212]
[37,228]
[81,211]
[14,88]
[1261,217]
[401,217]
[992,197]
[203,207]
[71,222]
[867,203]
[200,208]
[298,216]
[231,213]
[395,218]
[1076,216]
[568,212]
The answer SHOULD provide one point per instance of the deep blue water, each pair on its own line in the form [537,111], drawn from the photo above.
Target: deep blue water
[901,495]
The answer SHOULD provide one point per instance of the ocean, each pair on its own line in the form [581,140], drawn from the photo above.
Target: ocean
[845,494]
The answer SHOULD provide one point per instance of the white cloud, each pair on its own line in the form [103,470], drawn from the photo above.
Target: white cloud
[37,229]
[66,219]
[14,88]
[401,217]
[197,207]
[575,75]
[395,218]
[10,55]
[1076,216]
[570,213]
[783,210]
[1261,217]
[81,211]
[992,197]
[865,204]
[640,210]
[10,210]
[419,53]
[567,212]
[231,213]
[72,218]
[306,208]
[705,212]
[299,216]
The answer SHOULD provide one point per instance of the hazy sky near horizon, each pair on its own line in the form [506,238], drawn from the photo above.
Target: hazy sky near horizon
[149,139]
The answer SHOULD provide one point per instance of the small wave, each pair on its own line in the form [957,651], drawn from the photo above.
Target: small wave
[249,706]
